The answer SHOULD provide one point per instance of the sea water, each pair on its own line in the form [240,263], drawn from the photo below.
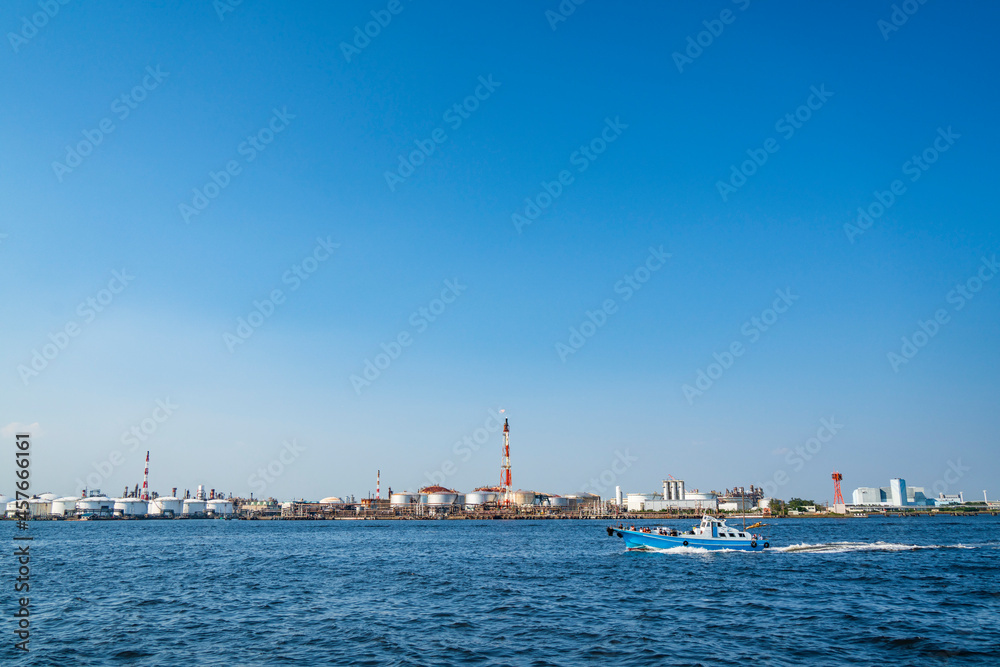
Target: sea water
[913,591]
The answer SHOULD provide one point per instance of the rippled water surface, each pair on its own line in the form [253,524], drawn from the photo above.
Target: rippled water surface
[919,591]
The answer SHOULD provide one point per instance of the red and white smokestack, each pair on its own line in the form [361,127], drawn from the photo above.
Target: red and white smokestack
[145,480]
[378,485]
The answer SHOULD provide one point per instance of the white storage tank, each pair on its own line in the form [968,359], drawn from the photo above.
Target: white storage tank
[558,501]
[402,499]
[193,507]
[47,496]
[130,507]
[95,505]
[66,506]
[219,507]
[477,499]
[441,499]
[10,510]
[166,506]
[332,500]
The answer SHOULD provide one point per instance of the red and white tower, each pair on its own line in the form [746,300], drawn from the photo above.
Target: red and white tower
[838,497]
[145,480]
[505,485]
[378,485]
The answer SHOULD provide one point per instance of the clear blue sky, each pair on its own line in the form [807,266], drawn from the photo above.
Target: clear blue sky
[342,125]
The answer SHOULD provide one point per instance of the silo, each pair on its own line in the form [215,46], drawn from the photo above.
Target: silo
[166,506]
[129,507]
[66,506]
[193,507]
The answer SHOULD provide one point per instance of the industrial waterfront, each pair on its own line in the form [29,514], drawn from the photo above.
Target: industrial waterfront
[487,503]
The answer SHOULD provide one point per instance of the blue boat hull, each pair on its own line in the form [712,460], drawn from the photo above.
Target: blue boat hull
[637,540]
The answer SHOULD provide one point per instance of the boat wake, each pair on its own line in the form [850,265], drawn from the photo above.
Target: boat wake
[845,547]
[689,550]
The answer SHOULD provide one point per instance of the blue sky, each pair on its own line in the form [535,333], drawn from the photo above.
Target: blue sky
[329,128]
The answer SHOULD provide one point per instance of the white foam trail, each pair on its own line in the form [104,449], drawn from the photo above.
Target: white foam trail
[845,547]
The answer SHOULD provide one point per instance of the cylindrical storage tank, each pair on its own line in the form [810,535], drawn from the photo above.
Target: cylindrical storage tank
[94,505]
[39,507]
[131,507]
[558,501]
[47,496]
[64,506]
[193,507]
[460,500]
[219,507]
[441,499]
[166,506]
[422,498]
[402,499]
[10,510]
[522,497]
[476,499]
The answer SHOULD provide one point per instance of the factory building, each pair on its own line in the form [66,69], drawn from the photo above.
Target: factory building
[898,494]
[675,496]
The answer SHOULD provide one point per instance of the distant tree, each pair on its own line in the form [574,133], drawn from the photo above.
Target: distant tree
[797,504]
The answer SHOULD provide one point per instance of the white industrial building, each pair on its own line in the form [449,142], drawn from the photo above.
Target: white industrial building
[898,494]
[675,496]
